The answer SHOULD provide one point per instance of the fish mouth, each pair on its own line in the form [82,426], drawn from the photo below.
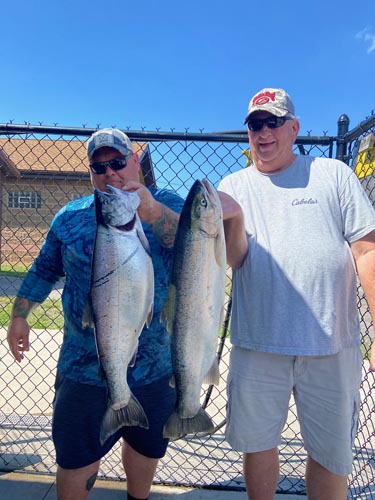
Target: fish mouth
[211,192]
[118,208]
[114,190]
[207,185]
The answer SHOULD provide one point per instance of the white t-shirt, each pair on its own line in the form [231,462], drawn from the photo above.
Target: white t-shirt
[296,292]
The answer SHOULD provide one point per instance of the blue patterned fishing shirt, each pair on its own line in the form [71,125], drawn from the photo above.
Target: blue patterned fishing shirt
[68,252]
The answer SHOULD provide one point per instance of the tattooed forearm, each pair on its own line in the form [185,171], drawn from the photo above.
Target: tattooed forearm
[165,227]
[22,307]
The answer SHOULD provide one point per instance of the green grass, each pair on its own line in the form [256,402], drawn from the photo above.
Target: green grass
[46,316]
[17,271]
[365,347]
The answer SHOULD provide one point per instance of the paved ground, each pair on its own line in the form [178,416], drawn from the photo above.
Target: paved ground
[9,286]
[15,486]
[25,442]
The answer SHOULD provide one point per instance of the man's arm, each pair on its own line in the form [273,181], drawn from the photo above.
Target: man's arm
[364,255]
[162,220]
[234,229]
[19,330]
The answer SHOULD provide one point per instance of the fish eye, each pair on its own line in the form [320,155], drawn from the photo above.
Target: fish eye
[204,202]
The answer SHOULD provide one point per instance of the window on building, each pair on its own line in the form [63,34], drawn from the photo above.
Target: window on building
[24,199]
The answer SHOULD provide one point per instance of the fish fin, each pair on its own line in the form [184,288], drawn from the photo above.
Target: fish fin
[213,374]
[172,382]
[88,315]
[134,357]
[168,312]
[177,427]
[131,414]
[142,237]
[149,315]
[222,314]
[101,373]
[220,256]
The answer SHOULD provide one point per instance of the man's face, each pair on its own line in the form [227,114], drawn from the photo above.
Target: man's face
[272,148]
[116,178]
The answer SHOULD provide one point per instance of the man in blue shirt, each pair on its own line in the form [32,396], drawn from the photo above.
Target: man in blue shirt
[81,393]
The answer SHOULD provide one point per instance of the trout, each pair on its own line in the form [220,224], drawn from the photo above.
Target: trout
[194,307]
[122,295]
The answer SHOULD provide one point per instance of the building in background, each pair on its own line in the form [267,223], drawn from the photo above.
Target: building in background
[38,177]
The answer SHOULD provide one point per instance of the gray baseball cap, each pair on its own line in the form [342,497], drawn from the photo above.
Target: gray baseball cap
[111,138]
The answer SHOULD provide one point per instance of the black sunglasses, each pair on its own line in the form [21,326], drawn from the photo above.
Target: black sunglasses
[100,167]
[256,124]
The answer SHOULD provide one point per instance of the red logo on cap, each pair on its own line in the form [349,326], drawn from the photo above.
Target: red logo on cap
[264,98]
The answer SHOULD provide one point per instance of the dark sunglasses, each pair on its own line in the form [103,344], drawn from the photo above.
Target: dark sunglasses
[100,167]
[256,124]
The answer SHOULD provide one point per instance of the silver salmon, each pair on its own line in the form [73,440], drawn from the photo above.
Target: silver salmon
[122,294]
[194,307]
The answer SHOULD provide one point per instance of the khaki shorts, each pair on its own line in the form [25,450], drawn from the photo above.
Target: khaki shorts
[326,393]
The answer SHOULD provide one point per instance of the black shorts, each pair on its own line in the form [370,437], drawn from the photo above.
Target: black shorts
[78,413]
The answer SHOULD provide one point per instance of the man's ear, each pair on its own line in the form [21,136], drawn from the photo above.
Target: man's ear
[295,128]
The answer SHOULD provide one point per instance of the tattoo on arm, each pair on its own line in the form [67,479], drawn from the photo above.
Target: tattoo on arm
[91,481]
[23,307]
[165,227]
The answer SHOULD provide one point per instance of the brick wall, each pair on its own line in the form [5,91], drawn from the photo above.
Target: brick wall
[23,230]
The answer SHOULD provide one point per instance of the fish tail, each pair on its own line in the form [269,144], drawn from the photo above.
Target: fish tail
[177,427]
[131,414]
[213,375]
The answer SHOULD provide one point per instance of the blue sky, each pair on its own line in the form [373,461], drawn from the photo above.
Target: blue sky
[166,64]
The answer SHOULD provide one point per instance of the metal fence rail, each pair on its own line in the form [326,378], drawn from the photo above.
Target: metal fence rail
[41,169]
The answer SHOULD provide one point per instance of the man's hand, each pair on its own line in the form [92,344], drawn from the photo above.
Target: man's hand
[372,357]
[231,209]
[162,220]
[149,209]
[234,229]
[18,337]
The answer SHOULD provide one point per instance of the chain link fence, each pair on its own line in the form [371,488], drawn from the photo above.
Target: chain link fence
[41,169]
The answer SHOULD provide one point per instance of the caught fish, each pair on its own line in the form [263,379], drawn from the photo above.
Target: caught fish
[194,307]
[122,294]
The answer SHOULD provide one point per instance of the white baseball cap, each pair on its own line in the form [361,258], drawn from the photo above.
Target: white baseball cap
[275,101]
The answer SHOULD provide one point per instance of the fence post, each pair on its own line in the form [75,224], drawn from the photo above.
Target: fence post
[342,128]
